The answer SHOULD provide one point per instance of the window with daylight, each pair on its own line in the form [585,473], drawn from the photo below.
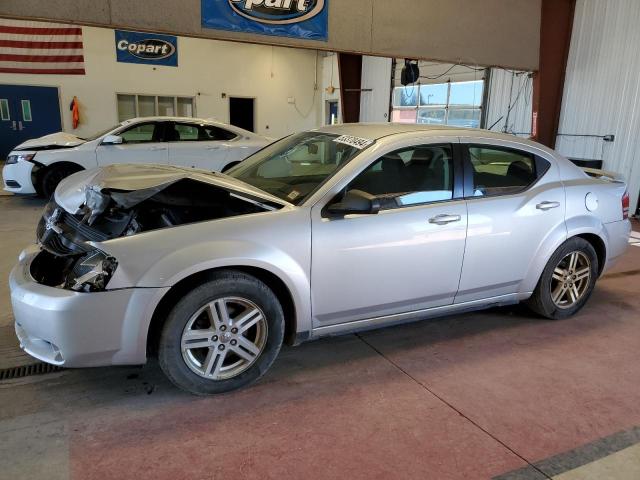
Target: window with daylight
[26,110]
[458,104]
[132,106]
[4,109]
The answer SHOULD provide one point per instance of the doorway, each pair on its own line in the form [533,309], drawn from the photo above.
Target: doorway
[331,110]
[27,112]
[242,112]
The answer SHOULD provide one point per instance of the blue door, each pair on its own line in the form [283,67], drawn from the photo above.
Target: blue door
[26,113]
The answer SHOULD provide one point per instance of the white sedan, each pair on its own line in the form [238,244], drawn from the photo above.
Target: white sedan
[38,165]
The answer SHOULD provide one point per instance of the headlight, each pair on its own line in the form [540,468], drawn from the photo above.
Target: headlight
[20,157]
[47,225]
[92,272]
[49,210]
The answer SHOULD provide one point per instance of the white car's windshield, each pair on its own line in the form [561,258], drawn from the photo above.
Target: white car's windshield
[101,133]
[294,167]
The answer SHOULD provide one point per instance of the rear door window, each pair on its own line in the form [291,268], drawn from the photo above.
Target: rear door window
[502,171]
[216,133]
[189,132]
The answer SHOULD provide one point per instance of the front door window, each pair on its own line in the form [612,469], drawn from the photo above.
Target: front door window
[410,176]
[143,133]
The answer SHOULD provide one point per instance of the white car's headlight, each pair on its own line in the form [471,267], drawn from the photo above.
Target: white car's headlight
[20,157]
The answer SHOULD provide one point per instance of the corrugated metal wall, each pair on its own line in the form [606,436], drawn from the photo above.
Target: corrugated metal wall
[509,102]
[602,88]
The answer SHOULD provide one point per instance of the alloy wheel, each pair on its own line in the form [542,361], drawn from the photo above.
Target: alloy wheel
[224,338]
[570,280]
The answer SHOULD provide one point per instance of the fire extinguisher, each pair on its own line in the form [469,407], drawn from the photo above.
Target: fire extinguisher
[75,112]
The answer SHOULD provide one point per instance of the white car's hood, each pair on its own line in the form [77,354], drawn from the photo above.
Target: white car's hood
[53,140]
[130,184]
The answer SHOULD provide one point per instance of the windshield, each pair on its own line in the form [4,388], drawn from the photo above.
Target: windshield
[294,167]
[101,133]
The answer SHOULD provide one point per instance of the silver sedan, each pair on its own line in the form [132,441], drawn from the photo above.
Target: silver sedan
[322,233]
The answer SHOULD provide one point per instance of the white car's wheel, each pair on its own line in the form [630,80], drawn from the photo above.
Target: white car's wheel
[52,176]
[223,335]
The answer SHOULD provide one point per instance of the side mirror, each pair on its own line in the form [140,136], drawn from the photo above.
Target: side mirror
[354,202]
[112,140]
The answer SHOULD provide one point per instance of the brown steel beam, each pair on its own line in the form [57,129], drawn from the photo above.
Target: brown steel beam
[548,82]
[350,72]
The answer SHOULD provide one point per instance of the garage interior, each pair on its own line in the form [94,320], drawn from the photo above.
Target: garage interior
[497,394]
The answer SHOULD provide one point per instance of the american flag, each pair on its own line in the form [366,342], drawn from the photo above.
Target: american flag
[37,47]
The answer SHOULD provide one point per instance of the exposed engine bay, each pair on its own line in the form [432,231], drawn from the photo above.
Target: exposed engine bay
[68,259]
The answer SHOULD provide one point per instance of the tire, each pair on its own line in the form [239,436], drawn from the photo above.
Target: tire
[229,166]
[548,298]
[199,355]
[52,176]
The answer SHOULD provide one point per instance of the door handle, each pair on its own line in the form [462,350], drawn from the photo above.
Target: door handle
[13,126]
[444,219]
[547,205]
[157,149]
[213,148]
[20,127]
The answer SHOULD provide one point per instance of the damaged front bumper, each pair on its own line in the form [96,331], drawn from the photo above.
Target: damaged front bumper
[78,329]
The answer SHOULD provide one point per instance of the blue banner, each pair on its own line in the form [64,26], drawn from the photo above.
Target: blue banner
[148,48]
[306,19]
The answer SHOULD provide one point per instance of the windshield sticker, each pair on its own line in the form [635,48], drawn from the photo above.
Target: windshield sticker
[357,142]
[293,195]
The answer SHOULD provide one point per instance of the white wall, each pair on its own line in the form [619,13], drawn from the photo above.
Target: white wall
[330,78]
[207,69]
[509,102]
[602,88]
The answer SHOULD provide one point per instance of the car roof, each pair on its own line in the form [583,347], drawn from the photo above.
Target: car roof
[208,121]
[376,131]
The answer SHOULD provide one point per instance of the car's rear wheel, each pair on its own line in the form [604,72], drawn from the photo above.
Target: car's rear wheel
[567,281]
[52,176]
[223,335]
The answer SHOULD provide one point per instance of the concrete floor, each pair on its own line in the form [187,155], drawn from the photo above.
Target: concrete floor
[498,394]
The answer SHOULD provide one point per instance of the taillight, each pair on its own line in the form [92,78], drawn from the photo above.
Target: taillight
[625,206]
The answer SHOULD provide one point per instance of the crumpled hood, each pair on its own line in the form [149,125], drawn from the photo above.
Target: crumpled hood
[59,139]
[130,184]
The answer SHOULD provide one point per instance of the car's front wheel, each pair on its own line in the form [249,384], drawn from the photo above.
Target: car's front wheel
[52,176]
[567,281]
[223,335]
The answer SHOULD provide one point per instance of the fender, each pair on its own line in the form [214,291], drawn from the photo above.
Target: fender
[556,237]
[136,329]
[82,157]
[152,261]
[578,225]
[582,224]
